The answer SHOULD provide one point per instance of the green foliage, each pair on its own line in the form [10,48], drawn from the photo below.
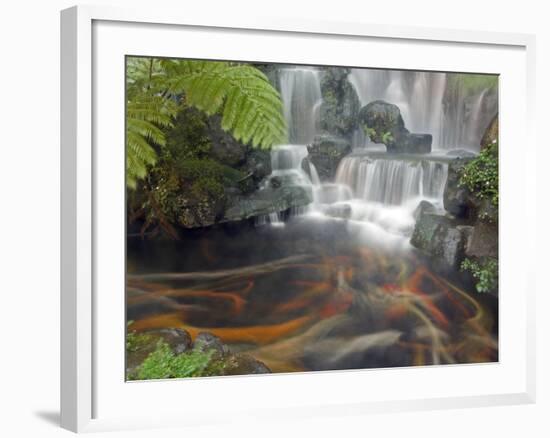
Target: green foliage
[472,83]
[137,341]
[178,182]
[387,137]
[188,138]
[163,363]
[480,175]
[484,272]
[371,132]
[156,90]
[251,108]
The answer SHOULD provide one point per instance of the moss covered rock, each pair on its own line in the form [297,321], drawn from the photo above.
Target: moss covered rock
[383,123]
[325,153]
[340,107]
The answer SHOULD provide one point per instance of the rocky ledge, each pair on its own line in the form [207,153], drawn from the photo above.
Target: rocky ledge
[221,360]
[464,235]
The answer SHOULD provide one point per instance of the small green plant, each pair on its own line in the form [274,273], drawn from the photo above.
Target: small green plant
[485,273]
[136,341]
[163,363]
[387,137]
[480,175]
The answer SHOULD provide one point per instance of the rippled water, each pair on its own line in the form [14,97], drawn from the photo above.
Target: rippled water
[317,294]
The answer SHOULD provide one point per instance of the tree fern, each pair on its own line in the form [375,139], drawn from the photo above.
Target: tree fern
[251,108]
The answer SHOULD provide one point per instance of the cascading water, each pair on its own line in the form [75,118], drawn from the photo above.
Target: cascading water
[376,191]
[392,181]
[301,94]
[430,102]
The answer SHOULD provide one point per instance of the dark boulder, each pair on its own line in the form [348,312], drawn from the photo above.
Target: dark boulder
[326,152]
[415,144]
[205,341]
[246,364]
[383,123]
[340,105]
[423,208]
[275,182]
[483,241]
[457,199]
[257,164]
[266,201]
[441,238]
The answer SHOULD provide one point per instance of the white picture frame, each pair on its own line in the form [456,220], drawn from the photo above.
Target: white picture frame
[85,393]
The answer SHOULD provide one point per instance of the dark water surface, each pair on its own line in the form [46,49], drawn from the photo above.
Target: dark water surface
[310,295]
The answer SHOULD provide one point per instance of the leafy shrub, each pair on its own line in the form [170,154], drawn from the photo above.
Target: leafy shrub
[485,273]
[480,175]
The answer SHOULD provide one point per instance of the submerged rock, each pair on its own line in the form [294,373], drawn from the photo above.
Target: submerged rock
[325,153]
[383,123]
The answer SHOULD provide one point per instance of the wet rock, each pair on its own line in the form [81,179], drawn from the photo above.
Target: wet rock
[275,182]
[205,341]
[441,238]
[340,106]
[246,364]
[179,340]
[483,241]
[200,211]
[268,200]
[423,208]
[458,200]
[326,152]
[415,143]
[383,124]
[258,164]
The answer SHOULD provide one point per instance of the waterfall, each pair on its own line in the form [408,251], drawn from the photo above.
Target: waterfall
[392,181]
[301,94]
[430,102]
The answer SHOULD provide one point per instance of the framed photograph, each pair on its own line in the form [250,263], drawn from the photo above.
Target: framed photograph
[261,208]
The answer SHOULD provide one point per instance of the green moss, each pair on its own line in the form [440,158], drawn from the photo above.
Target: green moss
[163,363]
[188,138]
[480,175]
[485,273]
[136,341]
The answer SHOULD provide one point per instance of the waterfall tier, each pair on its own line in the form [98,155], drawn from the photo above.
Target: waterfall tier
[430,102]
[301,93]
[390,180]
